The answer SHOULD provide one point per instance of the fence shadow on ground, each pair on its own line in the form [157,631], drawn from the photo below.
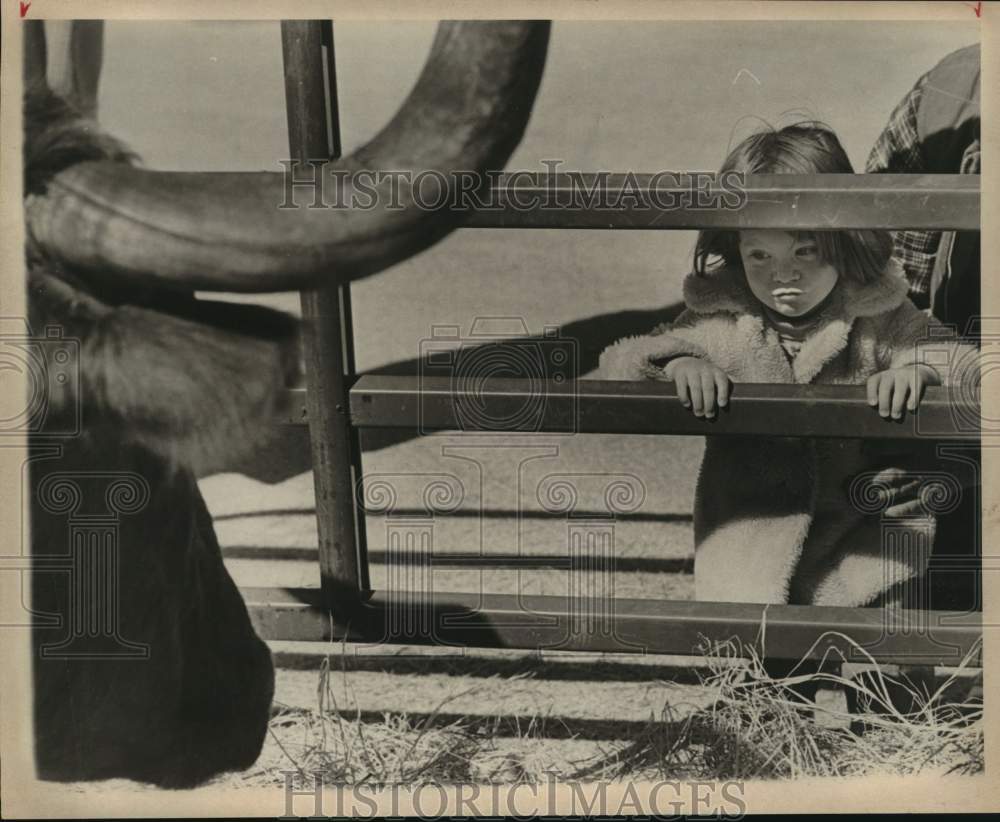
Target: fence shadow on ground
[287,453]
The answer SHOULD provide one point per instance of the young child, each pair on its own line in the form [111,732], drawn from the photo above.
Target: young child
[774,520]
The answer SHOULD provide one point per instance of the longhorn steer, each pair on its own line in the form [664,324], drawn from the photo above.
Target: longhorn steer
[146,665]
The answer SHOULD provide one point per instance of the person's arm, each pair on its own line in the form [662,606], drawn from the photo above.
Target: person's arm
[898,150]
[644,357]
[680,352]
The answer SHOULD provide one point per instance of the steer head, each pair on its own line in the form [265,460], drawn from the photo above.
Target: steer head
[117,251]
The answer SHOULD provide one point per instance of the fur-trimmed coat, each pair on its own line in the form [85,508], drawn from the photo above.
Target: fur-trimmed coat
[773,521]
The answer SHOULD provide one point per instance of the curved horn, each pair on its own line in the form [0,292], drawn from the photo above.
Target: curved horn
[226,232]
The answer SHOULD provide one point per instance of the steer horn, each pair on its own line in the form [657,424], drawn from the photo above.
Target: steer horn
[226,232]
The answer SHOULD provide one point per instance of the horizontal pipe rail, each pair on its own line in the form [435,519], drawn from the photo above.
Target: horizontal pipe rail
[621,625]
[650,407]
[701,200]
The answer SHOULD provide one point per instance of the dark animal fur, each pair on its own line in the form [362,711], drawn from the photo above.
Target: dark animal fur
[170,388]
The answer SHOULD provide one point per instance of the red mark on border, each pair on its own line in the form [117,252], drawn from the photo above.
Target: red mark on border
[978,8]
[24,7]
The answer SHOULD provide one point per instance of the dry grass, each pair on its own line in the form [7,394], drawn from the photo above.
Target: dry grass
[757,728]
[761,728]
[347,749]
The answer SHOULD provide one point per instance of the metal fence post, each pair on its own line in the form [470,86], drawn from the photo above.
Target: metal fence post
[314,134]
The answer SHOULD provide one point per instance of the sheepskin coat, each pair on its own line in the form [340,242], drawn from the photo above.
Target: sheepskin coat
[773,521]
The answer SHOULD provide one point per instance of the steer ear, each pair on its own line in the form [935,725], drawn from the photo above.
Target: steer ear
[57,136]
[202,395]
[200,387]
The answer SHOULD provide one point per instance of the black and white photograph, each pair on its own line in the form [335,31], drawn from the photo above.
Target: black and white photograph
[577,411]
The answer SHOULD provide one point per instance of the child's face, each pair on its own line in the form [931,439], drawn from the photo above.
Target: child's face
[785,272]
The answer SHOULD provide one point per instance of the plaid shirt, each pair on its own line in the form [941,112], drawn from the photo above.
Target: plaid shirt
[898,151]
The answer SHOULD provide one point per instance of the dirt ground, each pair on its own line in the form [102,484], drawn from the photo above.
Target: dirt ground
[577,709]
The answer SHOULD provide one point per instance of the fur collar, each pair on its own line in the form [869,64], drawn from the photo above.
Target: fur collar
[726,290]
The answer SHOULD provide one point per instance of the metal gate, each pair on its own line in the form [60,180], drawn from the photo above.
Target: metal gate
[338,402]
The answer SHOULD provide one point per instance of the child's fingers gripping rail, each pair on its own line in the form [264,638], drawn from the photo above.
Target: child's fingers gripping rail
[701,386]
[891,390]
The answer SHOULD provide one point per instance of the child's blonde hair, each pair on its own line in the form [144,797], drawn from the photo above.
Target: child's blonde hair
[803,148]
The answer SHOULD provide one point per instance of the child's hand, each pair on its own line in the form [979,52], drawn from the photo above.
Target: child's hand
[892,389]
[700,385]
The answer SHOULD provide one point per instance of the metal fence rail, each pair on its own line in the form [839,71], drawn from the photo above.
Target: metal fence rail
[630,626]
[600,407]
[686,201]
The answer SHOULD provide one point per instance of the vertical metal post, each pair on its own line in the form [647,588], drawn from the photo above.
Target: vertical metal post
[312,126]
[346,313]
